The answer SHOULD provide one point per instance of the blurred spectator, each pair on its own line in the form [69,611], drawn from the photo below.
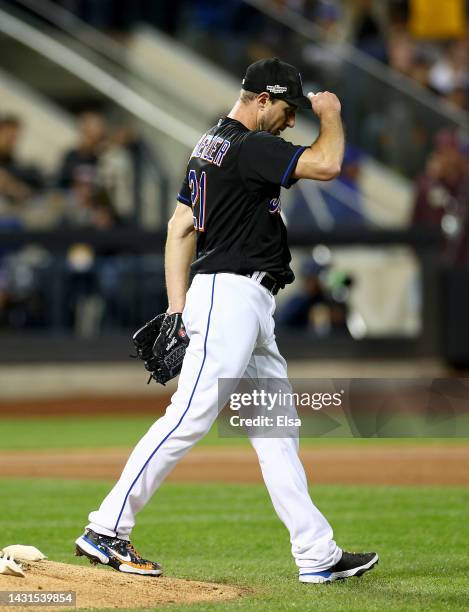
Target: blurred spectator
[442,194]
[401,52]
[79,199]
[146,172]
[367,28]
[451,71]
[419,70]
[325,57]
[88,205]
[102,160]
[18,181]
[229,32]
[396,131]
[117,172]
[83,160]
[295,310]
[90,268]
[316,307]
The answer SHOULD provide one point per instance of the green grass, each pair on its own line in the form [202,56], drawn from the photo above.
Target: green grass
[229,534]
[125,431]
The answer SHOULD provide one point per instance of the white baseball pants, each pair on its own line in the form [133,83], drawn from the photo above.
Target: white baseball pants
[229,319]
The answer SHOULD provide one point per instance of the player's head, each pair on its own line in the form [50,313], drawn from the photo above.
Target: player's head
[275,88]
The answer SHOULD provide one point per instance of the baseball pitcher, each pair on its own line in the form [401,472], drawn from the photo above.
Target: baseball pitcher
[227,225]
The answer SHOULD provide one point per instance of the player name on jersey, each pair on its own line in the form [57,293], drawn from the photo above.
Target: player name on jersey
[211,148]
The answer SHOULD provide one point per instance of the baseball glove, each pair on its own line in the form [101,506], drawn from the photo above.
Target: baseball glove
[161,344]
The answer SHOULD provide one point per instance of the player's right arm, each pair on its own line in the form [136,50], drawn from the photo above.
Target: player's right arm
[179,253]
[323,159]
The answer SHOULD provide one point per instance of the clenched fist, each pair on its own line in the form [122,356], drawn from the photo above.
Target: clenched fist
[324,102]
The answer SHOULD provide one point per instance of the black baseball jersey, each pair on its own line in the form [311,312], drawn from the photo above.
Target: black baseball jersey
[233,184]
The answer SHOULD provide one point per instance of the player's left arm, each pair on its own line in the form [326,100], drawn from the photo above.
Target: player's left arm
[179,254]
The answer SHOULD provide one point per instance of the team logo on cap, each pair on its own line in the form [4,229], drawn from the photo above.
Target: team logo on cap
[276,89]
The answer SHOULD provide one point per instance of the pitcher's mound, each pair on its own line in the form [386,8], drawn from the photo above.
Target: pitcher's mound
[104,588]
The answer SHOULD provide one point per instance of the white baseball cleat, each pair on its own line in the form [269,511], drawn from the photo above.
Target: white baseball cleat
[350,564]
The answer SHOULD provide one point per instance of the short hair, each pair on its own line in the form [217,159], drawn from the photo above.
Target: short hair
[246,96]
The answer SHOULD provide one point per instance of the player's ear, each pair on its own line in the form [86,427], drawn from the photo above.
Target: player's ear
[262,100]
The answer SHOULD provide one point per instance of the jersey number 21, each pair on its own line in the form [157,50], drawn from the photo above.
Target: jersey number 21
[198,189]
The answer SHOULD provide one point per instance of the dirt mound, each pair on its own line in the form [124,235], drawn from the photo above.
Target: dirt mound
[102,588]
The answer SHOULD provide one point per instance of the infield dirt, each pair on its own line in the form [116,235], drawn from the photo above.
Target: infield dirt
[102,588]
[385,465]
